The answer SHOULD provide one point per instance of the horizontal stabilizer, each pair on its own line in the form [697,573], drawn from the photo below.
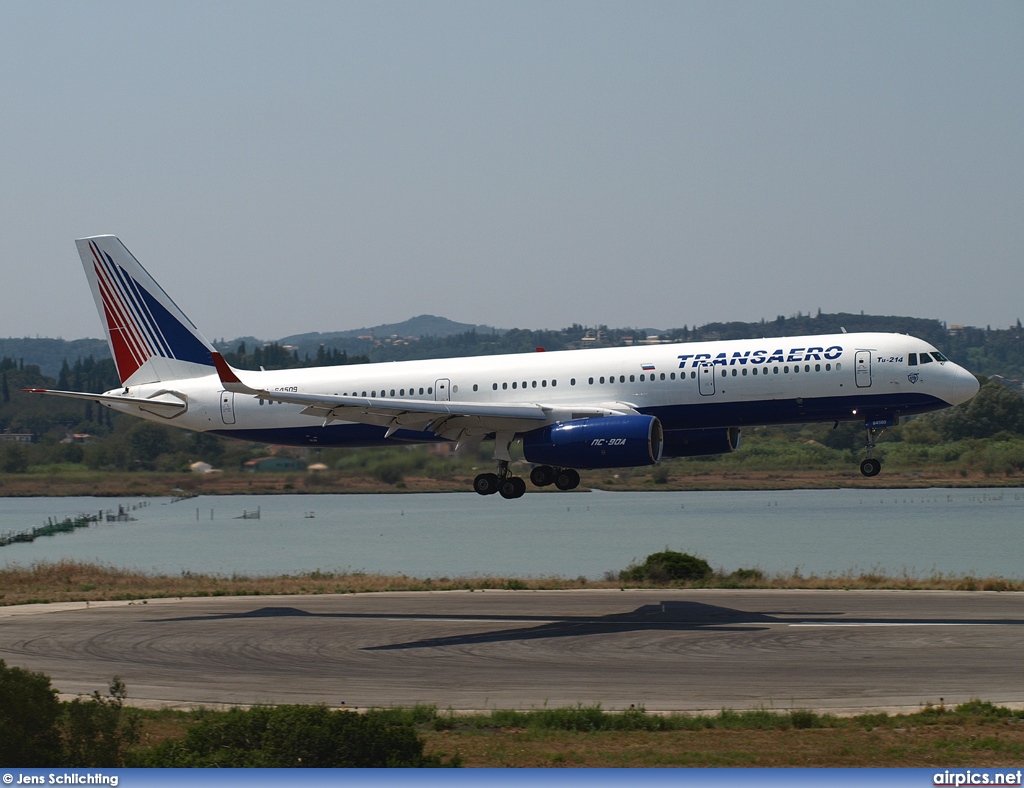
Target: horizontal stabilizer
[167,403]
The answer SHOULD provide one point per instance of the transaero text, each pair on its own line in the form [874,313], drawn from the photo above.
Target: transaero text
[796,354]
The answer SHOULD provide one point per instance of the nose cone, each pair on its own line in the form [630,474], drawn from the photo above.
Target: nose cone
[965,386]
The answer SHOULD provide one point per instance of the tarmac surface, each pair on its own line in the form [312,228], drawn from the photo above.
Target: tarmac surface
[838,651]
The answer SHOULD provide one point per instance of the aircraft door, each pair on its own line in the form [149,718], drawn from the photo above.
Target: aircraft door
[442,390]
[227,407]
[706,379]
[863,365]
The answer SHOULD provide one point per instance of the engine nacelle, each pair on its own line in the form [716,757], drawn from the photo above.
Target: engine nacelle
[604,442]
[694,443]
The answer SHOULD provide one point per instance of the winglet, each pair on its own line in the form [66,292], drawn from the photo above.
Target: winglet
[228,378]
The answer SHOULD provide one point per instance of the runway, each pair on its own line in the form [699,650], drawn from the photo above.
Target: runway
[839,651]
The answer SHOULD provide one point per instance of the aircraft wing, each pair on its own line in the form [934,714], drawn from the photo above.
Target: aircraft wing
[448,419]
[167,403]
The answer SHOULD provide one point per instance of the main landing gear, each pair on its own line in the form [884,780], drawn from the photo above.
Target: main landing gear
[501,482]
[510,486]
[562,478]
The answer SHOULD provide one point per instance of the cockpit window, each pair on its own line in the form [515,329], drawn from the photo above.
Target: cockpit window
[938,356]
[912,359]
[926,359]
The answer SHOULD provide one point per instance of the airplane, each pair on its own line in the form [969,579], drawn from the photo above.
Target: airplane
[570,410]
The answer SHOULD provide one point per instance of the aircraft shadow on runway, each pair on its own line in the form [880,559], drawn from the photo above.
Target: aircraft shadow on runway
[666,616]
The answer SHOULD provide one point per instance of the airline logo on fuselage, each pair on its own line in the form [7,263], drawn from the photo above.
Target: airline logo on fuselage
[795,355]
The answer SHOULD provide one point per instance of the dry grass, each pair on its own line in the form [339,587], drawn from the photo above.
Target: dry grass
[851,478]
[995,744]
[121,484]
[71,581]
[973,735]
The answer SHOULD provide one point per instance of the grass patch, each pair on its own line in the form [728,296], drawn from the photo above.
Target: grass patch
[74,581]
[973,734]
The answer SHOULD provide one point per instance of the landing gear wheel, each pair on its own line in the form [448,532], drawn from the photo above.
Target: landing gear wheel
[870,467]
[486,483]
[567,479]
[512,487]
[542,476]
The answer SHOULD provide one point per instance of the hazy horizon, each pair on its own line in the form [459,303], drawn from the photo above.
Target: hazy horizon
[665,329]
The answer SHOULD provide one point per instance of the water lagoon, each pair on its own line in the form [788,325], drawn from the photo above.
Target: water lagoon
[962,531]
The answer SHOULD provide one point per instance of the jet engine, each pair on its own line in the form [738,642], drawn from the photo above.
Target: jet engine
[693,443]
[601,442]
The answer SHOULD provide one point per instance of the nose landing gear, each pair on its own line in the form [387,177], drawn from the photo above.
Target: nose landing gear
[872,467]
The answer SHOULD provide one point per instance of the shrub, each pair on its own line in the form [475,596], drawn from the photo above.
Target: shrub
[98,730]
[290,736]
[29,712]
[666,567]
[388,472]
[803,719]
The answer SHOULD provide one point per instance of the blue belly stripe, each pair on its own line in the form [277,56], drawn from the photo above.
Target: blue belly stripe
[697,415]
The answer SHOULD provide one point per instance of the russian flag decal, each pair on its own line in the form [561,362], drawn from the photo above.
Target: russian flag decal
[647,367]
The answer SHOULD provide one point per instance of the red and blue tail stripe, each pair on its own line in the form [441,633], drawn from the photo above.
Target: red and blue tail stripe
[139,326]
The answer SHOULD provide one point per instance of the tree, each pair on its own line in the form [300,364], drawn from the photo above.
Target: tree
[148,441]
[73,452]
[29,712]
[208,448]
[14,459]
[994,409]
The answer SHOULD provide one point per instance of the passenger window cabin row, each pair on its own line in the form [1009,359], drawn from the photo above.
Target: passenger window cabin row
[601,380]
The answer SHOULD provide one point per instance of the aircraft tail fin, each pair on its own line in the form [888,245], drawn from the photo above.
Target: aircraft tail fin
[150,338]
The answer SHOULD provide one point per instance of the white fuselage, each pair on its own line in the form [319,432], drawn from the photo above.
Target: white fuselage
[687,386]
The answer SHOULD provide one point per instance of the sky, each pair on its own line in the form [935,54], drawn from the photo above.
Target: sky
[317,166]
